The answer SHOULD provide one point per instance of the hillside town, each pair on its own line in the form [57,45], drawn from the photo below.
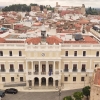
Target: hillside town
[49,49]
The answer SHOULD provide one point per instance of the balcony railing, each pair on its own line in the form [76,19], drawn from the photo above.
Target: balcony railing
[20,70]
[74,70]
[36,73]
[29,73]
[50,73]
[11,70]
[43,73]
[57,72]
[83,70]
[66,70]
[2,70]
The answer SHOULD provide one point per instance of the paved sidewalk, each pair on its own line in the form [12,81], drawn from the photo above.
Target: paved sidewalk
[23,89]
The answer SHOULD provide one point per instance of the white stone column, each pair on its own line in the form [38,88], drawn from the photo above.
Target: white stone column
[32,68]
[47,69]
[26,68]
[53,82]
[47,82]
[59,67]
[33,82]
[54,68]
[39,68]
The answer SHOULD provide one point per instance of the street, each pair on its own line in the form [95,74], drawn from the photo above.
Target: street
[39,95]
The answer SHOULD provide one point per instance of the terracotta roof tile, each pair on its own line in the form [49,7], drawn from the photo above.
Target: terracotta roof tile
[53,39]
[2,40]
[35,40]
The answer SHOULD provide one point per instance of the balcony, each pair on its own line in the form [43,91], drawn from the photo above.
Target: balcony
[50,73]
[74,70]
[36,73]
[66,70]
[43,73]
[29,73]
[11,70]
[83,70]
[2,70]
[57,72]
[20,70]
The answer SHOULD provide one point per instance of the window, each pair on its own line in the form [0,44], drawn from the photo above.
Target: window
[96,65]
[82,78]
[84,53]
[74,67]
[50,67]
[83,67]
[66,67]
[65,78]
[10,53]
[20,53]
[11,67]
[21,79]
[75,53]
[3,79]
[97,53]
[36,68]
[12,79]
[43,68]
[66,53]
[74,78]
[1,53]
[21,67]
[2,67]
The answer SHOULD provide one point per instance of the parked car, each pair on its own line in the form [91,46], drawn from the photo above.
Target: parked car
[11,91]
[2,93]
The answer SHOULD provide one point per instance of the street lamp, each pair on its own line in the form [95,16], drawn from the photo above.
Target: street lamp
[59,90]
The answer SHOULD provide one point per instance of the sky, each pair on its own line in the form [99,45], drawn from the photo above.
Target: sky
[88,3]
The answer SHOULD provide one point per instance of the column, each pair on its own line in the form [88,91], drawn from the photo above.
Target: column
[40,82]
[59,67]
[53,82]
[47,68]
[32,67]
[47,82]
[54,68]
[26,68]
[33,82]
[39,68]
[27,83]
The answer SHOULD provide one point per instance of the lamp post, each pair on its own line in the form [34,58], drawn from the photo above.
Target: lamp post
[59,90]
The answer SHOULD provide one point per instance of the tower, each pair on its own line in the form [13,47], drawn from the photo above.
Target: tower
[83,9]
[43,33]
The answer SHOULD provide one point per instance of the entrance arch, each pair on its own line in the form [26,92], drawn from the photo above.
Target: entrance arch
[50,81]
[43,81]
[36,81]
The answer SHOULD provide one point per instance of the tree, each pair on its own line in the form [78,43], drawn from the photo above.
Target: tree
[86,91]
[78,95]
[68,98]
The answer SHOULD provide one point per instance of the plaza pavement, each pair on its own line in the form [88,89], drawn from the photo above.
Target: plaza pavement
[39,95]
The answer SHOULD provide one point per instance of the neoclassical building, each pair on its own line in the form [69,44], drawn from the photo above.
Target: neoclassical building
[49,61]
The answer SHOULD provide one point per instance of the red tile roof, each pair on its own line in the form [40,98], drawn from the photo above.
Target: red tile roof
[83,21]
[49,40]
[2,40]
[87,39]
[35,40]
[53,39]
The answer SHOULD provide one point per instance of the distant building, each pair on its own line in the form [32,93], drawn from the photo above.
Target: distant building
[95,86]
